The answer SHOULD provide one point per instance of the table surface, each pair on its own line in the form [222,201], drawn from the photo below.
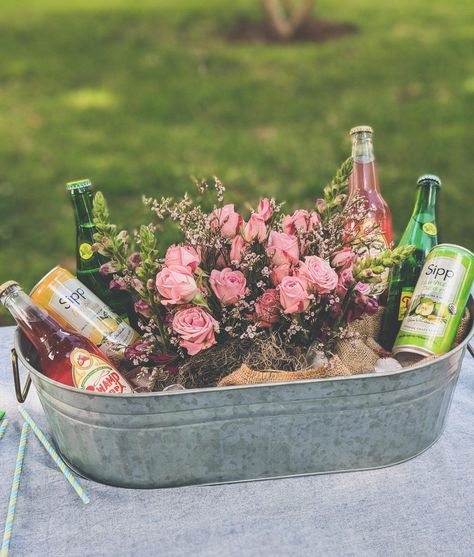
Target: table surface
[423,507]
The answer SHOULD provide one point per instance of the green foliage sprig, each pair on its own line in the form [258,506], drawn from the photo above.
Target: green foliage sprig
[370,269]
[335,194]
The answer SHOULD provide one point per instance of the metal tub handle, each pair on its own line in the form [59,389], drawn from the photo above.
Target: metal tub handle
[20,394]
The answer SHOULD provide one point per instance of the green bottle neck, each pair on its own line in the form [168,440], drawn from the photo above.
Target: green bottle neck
[82,205]
[425,204]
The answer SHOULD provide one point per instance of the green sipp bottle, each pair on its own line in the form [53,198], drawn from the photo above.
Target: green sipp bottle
[421,232]
[88,261]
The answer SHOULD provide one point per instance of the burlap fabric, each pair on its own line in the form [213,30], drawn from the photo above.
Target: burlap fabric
[357,353]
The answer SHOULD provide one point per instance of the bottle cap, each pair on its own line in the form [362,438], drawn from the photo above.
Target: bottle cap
[358,129]
[429,178]
[84,183]
[6,285]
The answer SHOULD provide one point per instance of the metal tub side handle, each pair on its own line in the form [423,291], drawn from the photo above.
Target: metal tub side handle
[21,394]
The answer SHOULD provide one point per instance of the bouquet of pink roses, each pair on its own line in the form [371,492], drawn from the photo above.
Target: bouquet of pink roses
[303,276]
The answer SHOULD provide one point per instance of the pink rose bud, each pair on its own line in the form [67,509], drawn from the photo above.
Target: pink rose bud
[345,280]
[294,297]
[134,260]
[237,249]
[186,256]
[176,285]
[255,228]
[363,288]
[142,308]
[108,268]
[264,209]
[300,221]
[321,277]
[228,285]
[279,272]
[321,206]
[137,285]
[267,308]
[195,329]
[343,258]
[227,220]
[282,248]
[118,283]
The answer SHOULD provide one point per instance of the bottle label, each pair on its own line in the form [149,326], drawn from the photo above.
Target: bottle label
[81,309]
[430,228]
[85,251]
[92,373]
[405,299]
[433,305]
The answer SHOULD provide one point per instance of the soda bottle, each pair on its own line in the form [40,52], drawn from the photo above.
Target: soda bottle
[88,262]
[421,232]
[65,356]
[364,183]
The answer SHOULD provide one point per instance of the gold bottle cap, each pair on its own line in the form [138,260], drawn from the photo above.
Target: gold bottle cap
[358,129]
[6,285]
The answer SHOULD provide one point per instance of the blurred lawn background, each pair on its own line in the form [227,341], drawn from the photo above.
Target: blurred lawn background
[140,95]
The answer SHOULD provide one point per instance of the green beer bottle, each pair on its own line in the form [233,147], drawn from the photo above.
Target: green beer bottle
[88,261]
[421,232]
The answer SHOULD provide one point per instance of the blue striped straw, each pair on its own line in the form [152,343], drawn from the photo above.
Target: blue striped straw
[54,455]
[7,535]
[3,427]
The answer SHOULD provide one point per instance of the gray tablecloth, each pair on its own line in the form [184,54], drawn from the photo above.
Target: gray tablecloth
[424,507]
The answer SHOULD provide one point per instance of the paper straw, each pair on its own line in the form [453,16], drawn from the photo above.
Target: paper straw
[3,427]
[7,535]
[54,455]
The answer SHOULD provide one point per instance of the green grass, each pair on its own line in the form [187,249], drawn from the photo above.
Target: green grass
[141,95]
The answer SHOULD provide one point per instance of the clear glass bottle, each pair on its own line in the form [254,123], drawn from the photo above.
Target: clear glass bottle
[364,183]
[65,356]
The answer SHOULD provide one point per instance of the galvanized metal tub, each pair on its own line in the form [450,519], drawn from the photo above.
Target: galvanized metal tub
[230,434]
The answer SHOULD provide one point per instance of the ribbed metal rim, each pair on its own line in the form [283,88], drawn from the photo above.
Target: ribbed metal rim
[280,384]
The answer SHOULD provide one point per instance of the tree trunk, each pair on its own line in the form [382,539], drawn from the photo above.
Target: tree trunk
[287,16]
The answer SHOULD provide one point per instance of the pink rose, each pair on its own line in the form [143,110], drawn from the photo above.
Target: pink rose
[228,285]
[279,272]
[267,308]
[294,297]
[176,285]
[227,220]
[186,256]
[320,276]
[195,329]
[345,280]
[282,248]
[142,308]
[237,249]
[300,221]
[343,258]
[264,209]
[255,228]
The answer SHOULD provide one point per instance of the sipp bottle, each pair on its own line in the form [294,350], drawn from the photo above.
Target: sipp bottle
[65,356]
[421,232]
[364,183]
